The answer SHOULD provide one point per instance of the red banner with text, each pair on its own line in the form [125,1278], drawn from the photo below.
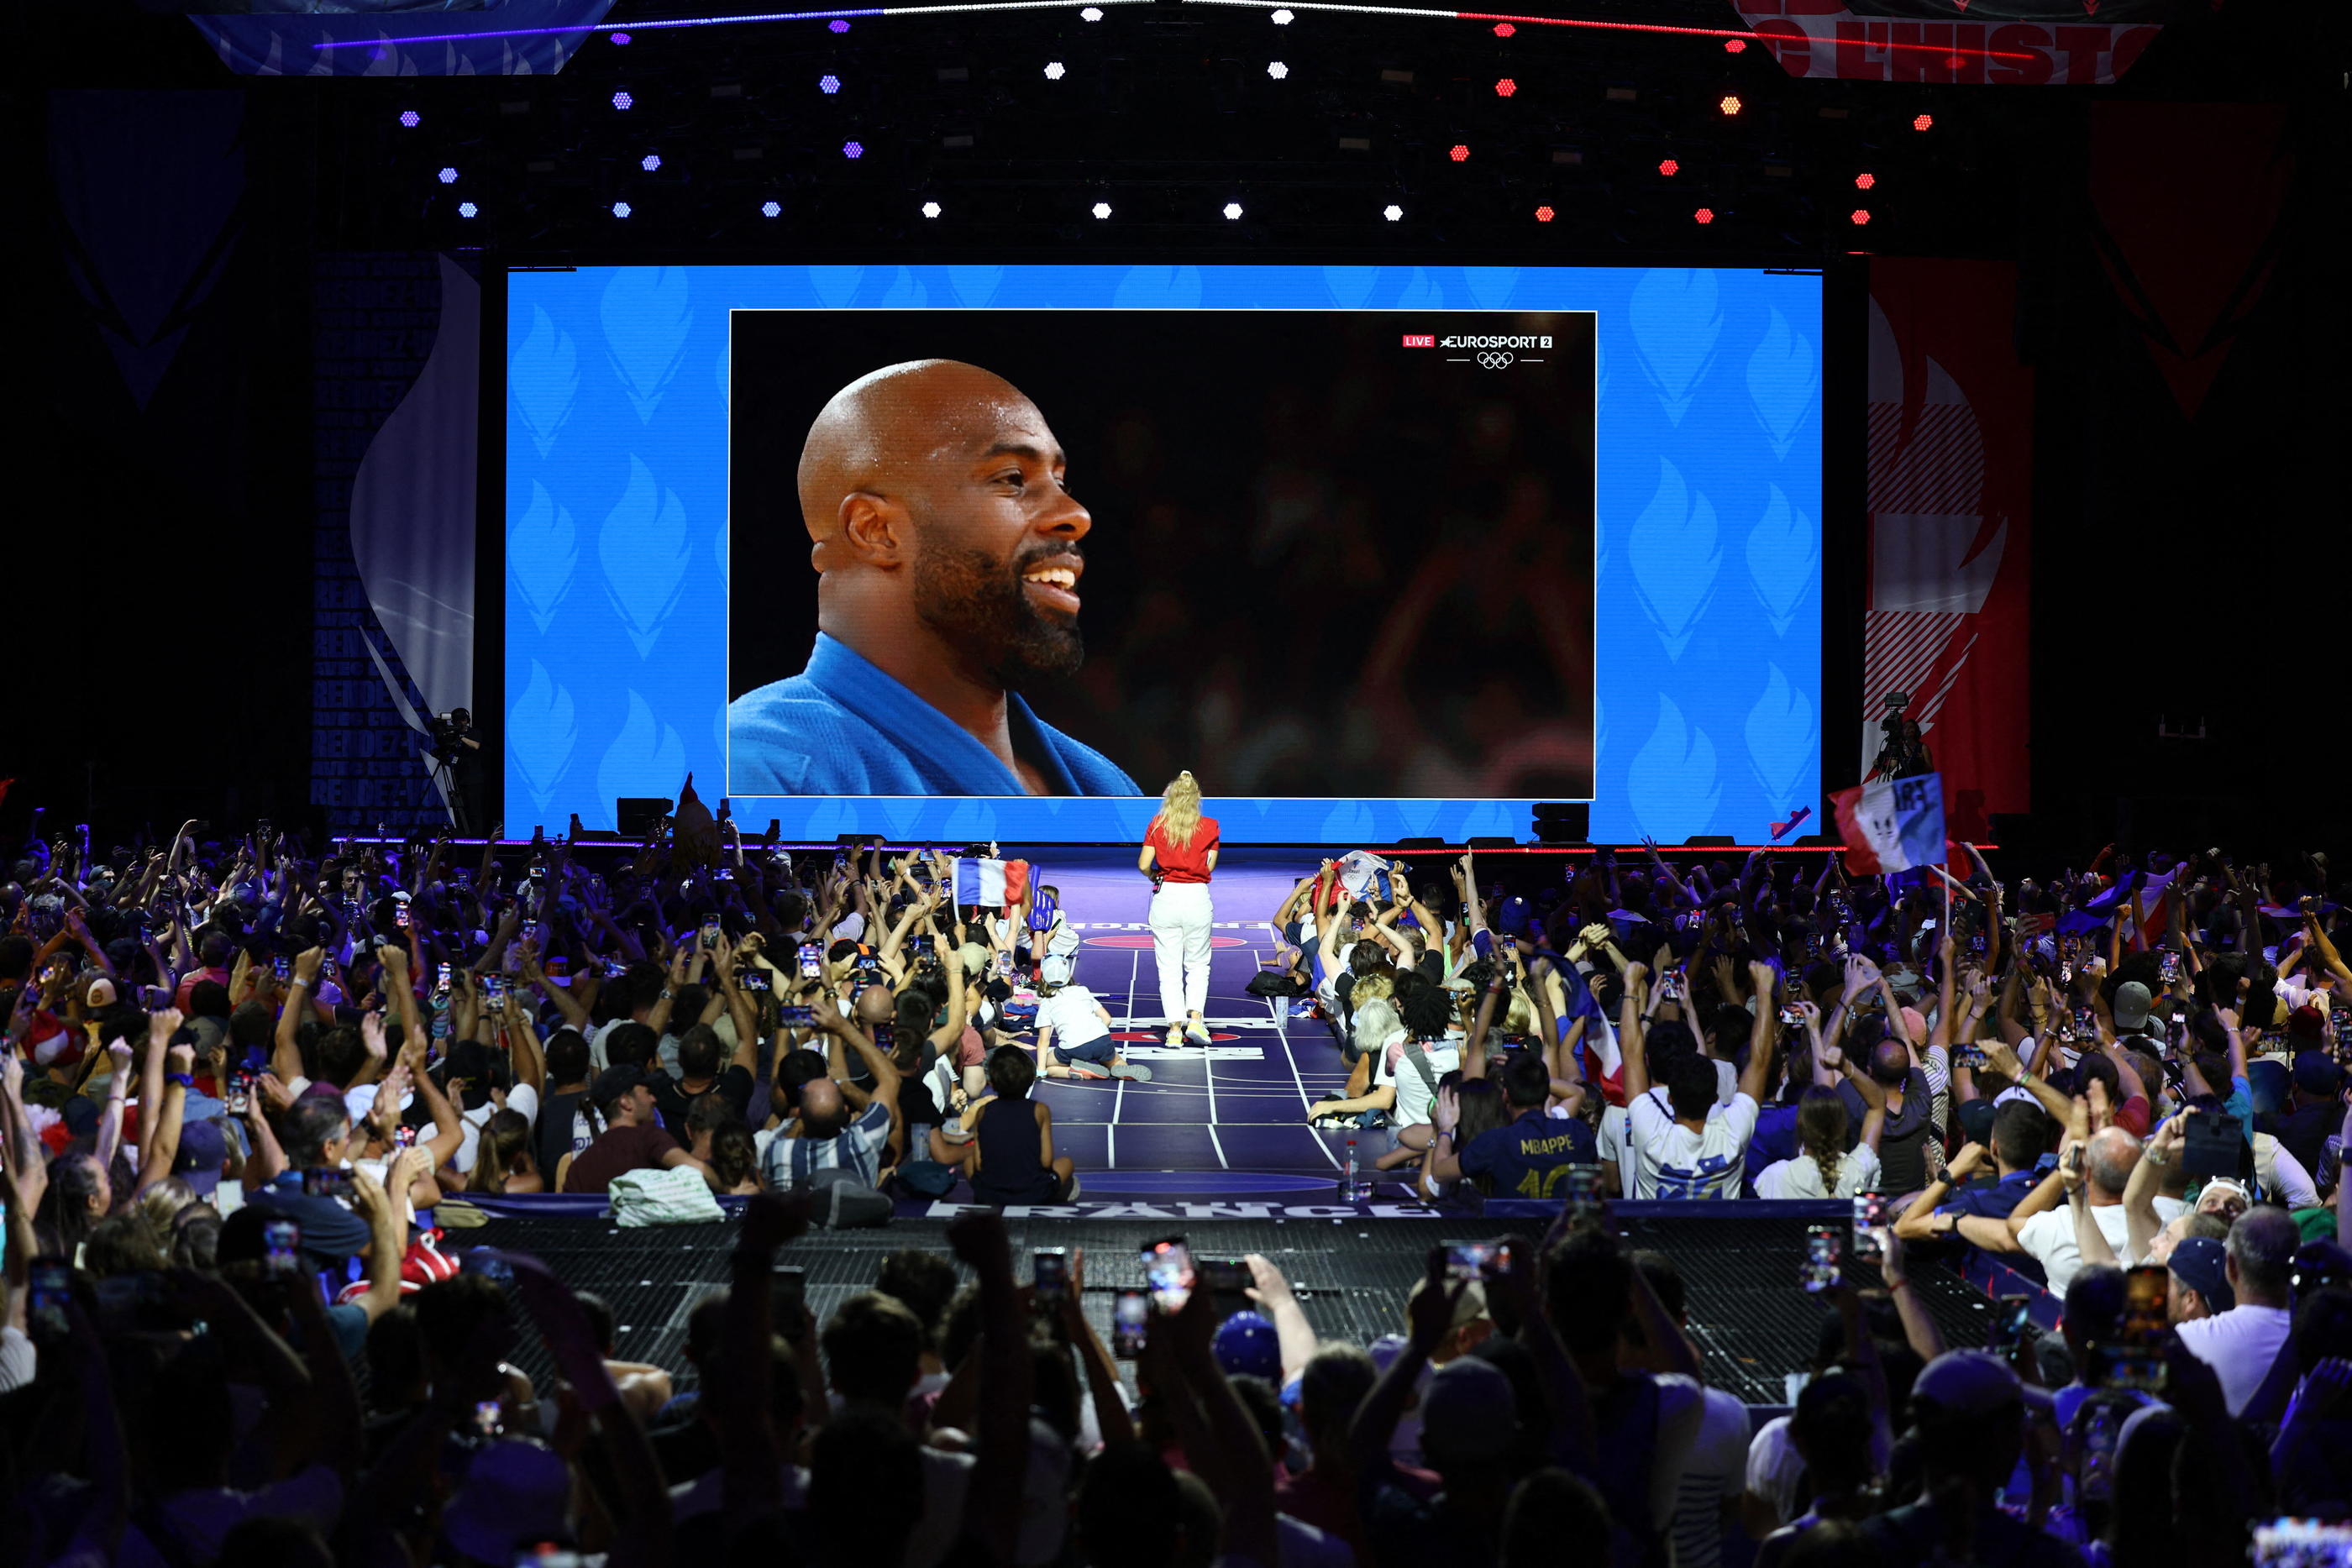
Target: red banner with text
[1825,38]
[1952,434]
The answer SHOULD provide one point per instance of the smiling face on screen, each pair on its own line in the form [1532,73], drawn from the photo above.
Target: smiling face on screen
[936,501]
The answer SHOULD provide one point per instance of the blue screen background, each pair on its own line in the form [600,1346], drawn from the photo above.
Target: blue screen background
[1709,552]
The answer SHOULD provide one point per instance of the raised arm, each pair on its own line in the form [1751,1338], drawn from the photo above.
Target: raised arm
[1629,1031]
[1762,978]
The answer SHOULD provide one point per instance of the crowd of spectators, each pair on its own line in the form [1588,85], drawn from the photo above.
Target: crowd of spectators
[241,1080]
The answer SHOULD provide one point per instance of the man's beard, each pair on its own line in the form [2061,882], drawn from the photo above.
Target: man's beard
[977,603]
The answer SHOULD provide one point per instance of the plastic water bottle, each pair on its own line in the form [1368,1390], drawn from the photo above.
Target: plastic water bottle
[1348,1188]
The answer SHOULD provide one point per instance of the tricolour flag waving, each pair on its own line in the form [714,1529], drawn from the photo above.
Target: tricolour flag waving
[1891,824]
[991,883]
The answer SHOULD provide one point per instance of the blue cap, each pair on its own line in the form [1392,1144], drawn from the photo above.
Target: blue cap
[1246,1345]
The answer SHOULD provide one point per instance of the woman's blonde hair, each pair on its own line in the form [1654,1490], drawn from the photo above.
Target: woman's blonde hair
[1180,810]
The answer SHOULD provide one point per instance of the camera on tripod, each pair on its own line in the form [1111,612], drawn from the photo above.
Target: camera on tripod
[448,733]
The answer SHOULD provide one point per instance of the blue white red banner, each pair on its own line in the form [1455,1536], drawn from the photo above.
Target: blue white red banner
[1891,824]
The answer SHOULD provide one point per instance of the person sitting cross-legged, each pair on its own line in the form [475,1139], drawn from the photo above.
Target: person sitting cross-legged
[1074,1039]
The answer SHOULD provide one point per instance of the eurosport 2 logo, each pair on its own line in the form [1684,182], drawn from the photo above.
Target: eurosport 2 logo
[1493,353]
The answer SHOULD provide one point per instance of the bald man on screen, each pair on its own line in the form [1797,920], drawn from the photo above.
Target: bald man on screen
[947,559]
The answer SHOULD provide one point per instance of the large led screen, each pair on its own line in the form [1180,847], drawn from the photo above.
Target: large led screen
[960,552]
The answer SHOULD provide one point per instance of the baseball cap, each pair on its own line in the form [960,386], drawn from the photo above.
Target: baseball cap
[2317,1076]
[1467,1412]
[615,1081]
[1247,1345]
[1969,1383]
[2131,1003]
[515,1494]
[198,1162]
[2307,1024]
[2202,1264]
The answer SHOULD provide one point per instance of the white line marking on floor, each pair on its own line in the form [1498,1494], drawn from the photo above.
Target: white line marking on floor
[1306,1103]
[1209,1071]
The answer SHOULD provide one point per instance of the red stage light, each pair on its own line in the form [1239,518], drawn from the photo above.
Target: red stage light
[1543,215]
[1925,123]
[1504,29]
[1865,182]
[1734,45]
[1861,216]
[1459,153]
[1704,215]
[1730,104]
[1506,88]
[1669,168]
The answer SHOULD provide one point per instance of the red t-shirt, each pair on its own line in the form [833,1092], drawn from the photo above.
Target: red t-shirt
[1183,862]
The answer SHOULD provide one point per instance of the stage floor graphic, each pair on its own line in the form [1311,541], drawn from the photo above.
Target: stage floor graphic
[1237,1106]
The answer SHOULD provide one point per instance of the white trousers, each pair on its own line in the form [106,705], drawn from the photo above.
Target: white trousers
[1180,939]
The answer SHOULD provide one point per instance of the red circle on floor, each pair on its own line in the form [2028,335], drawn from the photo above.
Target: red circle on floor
[1143,939]
[1154,1036]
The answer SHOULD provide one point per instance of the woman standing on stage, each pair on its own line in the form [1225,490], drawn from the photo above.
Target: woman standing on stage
[1180,851]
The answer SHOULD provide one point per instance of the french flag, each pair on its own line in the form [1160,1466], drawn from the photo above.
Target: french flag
[991,883]
[1891,824]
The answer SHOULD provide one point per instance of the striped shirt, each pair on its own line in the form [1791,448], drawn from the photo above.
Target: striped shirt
[791,1162]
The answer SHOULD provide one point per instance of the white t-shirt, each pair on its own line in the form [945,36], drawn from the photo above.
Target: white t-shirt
[1802,1177]
[1774,1469]
[18,1359]
[1414,1097]
[1074,1016]
[521,1098]
[2049,1236]
[2282,1174]
[2240,1346]
[1713,1474]
[1673,1162]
